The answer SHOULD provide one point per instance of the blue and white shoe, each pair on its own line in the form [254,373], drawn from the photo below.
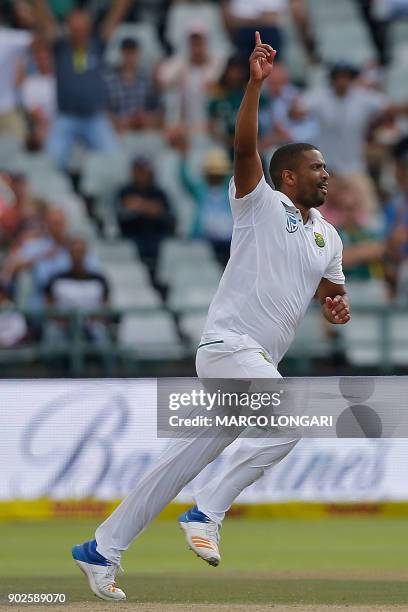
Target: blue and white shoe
[99,571]
[202,535]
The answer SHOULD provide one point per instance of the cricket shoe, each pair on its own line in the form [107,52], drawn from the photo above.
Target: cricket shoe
[202,535]
[100,571]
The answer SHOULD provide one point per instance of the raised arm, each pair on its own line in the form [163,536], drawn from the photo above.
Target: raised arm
[247,162]
[117,11]
[45,22]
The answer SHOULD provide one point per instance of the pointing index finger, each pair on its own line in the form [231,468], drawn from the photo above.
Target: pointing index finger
[257,38]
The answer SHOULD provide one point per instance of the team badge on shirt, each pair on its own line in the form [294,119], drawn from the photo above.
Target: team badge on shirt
[319,240]
[291,222]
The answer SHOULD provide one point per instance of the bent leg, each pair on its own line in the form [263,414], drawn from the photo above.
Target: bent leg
[247,464]
[176,467]
[252,456]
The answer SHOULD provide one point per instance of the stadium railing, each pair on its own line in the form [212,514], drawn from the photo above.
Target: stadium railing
[377,336]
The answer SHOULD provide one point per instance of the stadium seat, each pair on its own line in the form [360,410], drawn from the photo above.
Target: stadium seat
[74,208]
[397,83]
[102,177]
[363,339]
[184,297]
[174,251]
[185,275]
[32,163]
[192,325]
[398,338]
[150,336]
[124,274]
[103,172]
[118,251]
[148,143]
[310,341]
[167,165]
[397,36]
[367,293]
[133,295]
[10,147]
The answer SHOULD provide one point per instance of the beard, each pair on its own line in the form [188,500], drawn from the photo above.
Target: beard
[313,199]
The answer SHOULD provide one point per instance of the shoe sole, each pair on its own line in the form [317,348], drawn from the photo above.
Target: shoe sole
[92,584]
[213,561]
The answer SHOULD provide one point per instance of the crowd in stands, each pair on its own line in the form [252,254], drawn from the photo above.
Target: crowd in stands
[68,81]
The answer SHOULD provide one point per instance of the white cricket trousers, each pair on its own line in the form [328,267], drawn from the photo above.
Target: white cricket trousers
[234,357]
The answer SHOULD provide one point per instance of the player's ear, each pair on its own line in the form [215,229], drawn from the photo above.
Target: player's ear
[288,177]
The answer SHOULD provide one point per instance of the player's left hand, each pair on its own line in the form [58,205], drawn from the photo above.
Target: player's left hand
[336,310]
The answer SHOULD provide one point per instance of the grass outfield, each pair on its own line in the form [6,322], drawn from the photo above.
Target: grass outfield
[341,561]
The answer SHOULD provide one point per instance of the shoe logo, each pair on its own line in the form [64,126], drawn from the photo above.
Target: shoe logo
[203,543]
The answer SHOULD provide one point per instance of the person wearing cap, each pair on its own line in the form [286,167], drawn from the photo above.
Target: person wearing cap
[143,211]
[133,100]
[190,76]
[213,219]
[345,110]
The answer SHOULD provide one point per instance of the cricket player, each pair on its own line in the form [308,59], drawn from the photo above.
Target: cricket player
[283,252]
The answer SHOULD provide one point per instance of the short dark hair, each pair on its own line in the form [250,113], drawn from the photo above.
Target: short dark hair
[400,150]
[287,158]
[129,44]
[343,68]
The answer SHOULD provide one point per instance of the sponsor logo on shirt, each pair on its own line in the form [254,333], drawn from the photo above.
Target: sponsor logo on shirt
[319,240]
[291,222]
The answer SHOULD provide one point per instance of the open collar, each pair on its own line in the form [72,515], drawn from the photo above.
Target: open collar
[314,214]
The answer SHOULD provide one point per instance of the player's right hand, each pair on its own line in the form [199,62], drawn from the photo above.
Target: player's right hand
[261,60]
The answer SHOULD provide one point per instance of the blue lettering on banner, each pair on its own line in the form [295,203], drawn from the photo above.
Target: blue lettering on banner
[95,437]
[96,454]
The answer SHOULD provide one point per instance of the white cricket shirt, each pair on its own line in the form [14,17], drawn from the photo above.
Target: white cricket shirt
[276,265]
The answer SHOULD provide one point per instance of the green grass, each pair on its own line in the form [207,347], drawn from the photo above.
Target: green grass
[35,557]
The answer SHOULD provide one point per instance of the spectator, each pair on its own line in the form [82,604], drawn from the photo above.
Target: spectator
[154,12]
[12,217]
[344,111]
[7,197]
[77,288]
[213,219]
[191,77]
[133,100]
[13,46]
[38,95]
[144,213]
[81,92]
[242,18]
[44,253]
[225,102]
[363,249]
[396,215]
[278,127]
[377,22]
[13,325]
